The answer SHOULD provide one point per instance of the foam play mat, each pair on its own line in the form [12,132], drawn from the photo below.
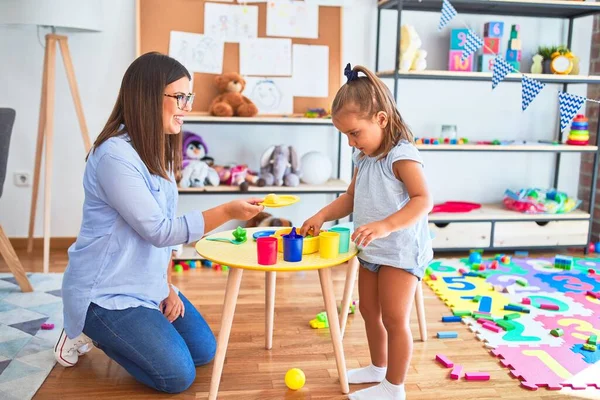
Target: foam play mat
[540,319]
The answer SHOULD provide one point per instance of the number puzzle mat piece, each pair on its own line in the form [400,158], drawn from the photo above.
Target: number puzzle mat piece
[545,366]
[536,357]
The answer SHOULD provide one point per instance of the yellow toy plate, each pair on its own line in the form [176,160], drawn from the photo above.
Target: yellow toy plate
[274,200]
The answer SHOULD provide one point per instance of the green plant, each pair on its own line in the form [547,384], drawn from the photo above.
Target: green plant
[548,51]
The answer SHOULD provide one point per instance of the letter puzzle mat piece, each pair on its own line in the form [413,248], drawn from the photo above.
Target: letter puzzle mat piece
[533,355]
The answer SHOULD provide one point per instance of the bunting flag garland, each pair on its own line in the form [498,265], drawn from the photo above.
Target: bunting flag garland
[448,12]
[569,105]
[530,88]
[500,70]
[472,44]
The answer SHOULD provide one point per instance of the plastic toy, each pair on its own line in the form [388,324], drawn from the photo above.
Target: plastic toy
[539,201]
[474,258]
[451,318]
[537,67]
[579,134]
[551,307]
[178,268]
[447,335]
[329,244]
[593,339]
[589,347]
[412,57]
[563,262]
[292,246]
[317,113]
[477,376]
[259,234]
[445,361]
[310,245]
[320,321]
[456,372]
[273,200]
[558,332]
[239,237]
[455,207]
[295,379]
[266,249]
[47,326]
[344,238]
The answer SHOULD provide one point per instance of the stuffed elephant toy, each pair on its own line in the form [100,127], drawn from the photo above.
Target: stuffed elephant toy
[279,165]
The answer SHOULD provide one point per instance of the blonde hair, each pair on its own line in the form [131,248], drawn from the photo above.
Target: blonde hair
[370,95]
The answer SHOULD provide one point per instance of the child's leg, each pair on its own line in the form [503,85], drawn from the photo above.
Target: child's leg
[376,336]
[396,294]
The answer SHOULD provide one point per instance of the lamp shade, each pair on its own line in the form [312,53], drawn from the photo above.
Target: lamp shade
[66,15]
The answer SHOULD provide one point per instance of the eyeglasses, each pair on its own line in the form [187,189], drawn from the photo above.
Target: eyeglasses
[184,101]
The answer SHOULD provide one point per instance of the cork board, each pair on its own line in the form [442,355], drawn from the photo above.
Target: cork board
[157,18]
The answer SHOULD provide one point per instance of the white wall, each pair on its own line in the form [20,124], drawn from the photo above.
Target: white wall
[100,60]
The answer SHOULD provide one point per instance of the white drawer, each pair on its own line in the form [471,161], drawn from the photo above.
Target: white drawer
[460,235]
[540,233]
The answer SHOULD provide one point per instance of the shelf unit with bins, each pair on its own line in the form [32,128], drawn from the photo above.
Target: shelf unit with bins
[492,227]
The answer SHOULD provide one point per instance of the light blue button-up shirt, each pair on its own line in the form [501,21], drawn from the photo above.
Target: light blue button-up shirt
[129,228]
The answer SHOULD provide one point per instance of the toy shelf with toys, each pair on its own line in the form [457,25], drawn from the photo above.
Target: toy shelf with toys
[498,226]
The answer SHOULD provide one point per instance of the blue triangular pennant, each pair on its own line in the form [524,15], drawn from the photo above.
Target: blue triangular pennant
[472,44]
[530,88]
[569,105]
[500,70]
[448,12]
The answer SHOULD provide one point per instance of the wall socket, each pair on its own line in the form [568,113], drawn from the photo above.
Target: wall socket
[22,178]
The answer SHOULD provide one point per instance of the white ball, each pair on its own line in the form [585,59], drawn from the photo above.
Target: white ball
[316,168]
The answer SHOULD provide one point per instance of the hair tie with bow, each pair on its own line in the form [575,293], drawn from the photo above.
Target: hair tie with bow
[350,74]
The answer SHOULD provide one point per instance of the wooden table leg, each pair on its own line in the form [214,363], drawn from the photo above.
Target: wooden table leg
[269,307]
[419,304]
[334,329]
[351,271]
[231,295]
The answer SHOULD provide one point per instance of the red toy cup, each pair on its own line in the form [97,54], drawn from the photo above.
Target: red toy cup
[266,248]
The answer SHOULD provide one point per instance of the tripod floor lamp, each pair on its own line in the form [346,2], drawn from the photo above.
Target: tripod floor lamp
[69,16]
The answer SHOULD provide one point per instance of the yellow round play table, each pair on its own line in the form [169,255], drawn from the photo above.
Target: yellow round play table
[243,257]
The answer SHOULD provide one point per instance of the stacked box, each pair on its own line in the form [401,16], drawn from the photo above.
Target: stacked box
[458,39]
[492,34]
[513,51]
[563,262]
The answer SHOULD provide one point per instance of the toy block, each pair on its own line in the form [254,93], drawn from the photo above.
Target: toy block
[482,321]
[456,64]
[514,31]
[513,55]
[510,316]
[526,300]
[551,307]
[491,326]
[451,318]
[589,347]
[445,361]
[47,326]
[456,372]
[493,29]
[477,376]
[557,332]
[447,335]
[471,274]
[462,271]
[521,281]
[515,44]
[515,64]
[521,253]
[458,39]
[595,295]
[591,271]
[512,308]
[433,277]
[461,313]
[593,339]
[486,63]
[563,262]
[506,325]
[486,317]
[491,45]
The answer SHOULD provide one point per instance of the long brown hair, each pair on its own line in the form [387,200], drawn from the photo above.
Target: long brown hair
[369,95]
[139,108]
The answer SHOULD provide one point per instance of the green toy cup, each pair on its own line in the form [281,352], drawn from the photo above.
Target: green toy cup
[344,238]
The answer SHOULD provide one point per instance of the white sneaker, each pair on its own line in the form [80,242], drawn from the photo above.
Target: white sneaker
[67,351]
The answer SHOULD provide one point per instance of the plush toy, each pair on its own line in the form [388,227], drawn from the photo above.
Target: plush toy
[412,57]
[196,163]
[230,102]
[279,165]
[265,219]
[238,175]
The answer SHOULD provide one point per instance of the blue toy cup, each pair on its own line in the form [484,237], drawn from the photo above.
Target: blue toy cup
[292,246]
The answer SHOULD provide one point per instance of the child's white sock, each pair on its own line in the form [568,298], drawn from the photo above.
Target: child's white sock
[368,374]
[383,391]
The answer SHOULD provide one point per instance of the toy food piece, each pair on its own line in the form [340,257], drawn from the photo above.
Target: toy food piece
[273,200]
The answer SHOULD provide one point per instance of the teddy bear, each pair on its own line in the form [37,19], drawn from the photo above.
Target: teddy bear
[412,57]
[196,164]
[230,102]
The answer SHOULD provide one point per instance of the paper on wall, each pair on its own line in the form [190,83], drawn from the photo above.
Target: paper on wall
[266,57]
[271,95]
[293,19]
[197,52]
[230,23]
[310,70]
[331,3]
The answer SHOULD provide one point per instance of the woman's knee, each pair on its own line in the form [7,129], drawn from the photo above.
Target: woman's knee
[205,353]
[176,380]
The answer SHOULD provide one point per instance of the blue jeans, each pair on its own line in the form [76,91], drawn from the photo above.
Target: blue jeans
[157,353]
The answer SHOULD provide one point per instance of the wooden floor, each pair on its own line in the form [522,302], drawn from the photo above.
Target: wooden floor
[251,372]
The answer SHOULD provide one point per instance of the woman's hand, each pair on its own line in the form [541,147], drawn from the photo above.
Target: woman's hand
[172,307]
[244,209]
[312,225]
[369,232]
